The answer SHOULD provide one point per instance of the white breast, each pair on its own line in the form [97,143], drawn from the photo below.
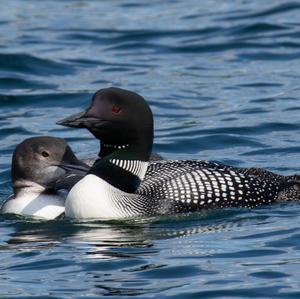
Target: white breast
[35,204]
[94,198]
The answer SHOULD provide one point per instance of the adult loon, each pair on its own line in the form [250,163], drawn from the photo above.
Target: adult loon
[117,186]
[40,165]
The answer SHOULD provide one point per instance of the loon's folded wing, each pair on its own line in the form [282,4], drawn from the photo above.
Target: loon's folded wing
[195,185]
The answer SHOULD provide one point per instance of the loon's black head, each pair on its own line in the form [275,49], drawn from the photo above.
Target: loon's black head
[120,119]
[43,161]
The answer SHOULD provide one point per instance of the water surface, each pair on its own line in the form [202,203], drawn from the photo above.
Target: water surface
[222,79]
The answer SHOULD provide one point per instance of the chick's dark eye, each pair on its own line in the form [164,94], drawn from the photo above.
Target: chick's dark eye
[45,154]
[116,109]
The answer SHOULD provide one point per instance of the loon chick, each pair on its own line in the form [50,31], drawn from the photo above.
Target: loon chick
[39,166]
[117,186]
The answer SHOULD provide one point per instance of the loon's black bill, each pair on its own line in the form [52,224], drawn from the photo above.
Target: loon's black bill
[81,120]
[75,120]
[75,169]
[74,173]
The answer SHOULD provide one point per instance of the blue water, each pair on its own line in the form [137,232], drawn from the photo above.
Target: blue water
[222,78]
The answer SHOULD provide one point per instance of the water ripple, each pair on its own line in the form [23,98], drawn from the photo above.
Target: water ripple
[25,63]
[277,9]
[222,79]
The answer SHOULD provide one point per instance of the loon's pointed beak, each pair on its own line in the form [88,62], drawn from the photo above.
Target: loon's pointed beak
[75,121]
[73,174]
[80,168]
[81,120]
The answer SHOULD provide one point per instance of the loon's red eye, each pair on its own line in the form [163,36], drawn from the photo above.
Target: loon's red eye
[116,109]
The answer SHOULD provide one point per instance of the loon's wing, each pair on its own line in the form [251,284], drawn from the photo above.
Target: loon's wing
[290,190]
[262,174]
[186,186]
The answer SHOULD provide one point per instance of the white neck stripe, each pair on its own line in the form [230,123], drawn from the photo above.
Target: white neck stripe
[135,167]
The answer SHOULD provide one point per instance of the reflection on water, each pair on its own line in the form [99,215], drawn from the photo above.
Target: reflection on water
[132,257]
[102,235]
[148,256]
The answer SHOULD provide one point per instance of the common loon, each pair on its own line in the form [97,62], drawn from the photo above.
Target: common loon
[40,165]
[117,186]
